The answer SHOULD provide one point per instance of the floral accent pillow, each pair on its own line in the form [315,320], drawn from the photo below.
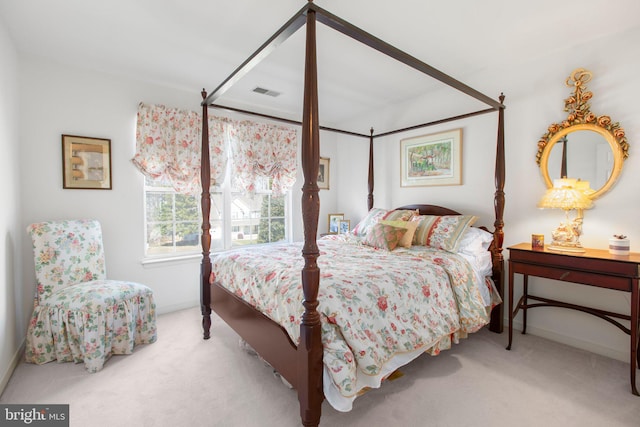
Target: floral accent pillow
[442,232]
[374,215]
[384,236]
[411,227]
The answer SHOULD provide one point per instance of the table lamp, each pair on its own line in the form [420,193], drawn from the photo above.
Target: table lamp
[567,194]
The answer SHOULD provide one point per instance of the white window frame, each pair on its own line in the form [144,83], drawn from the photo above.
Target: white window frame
[227,241]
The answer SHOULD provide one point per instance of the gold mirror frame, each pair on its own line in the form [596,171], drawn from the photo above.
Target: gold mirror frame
[581,118]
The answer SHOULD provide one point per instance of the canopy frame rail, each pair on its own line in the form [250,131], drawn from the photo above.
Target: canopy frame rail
[350,30]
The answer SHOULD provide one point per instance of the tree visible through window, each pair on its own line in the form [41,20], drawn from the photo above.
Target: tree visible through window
[172,220]
[272,220]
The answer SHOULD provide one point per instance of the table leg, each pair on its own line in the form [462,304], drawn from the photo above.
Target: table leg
[635,357]
[525,286]
[510,305]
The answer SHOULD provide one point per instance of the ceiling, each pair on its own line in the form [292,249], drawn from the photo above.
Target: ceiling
[195,44]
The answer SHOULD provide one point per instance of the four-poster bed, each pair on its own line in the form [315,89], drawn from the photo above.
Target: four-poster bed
[301,364]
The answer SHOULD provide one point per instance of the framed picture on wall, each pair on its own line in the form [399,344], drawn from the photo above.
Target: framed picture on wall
[433,159]
[323,173]
[334,223]
[86,163]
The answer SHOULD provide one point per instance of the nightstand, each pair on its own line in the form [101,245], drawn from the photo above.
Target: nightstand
[594,267]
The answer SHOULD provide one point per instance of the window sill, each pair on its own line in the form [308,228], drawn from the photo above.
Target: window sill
[175,259]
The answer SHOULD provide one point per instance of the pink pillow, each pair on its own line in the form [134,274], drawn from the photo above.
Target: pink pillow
[411,227]
[384,236]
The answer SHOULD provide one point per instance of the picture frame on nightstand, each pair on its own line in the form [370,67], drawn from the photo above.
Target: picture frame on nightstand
[334,222]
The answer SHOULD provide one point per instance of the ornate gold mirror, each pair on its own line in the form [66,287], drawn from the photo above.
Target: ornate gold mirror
[584,146]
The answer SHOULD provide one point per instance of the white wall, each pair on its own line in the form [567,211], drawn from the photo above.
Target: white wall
[328,198]
[63,99]
[14,300]
[535,94]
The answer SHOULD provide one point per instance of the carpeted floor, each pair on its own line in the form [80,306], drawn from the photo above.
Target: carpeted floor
[182,380]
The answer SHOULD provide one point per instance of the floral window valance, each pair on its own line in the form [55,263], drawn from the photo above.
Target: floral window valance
[263,151]
[168,148]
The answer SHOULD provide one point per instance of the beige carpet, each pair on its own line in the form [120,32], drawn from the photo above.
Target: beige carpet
[182,380]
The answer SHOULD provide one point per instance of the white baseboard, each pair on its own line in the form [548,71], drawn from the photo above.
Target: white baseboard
[15,360]
[177,307]
[571,341]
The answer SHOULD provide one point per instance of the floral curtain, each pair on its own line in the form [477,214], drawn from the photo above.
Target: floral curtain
[168,147]
[263,151]
[168,144]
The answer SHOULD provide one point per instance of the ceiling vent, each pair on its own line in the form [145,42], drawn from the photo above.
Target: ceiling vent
[264,91]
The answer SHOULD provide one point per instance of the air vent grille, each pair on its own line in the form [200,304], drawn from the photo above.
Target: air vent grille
[264,91]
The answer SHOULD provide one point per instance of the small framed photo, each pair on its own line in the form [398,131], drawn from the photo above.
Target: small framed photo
[86,163]
[334,223]
[344,227]
[323,173]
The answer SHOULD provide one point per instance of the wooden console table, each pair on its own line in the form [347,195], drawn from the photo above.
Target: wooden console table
[595,267]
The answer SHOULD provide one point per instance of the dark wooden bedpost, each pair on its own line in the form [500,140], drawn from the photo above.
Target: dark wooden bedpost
[205,202]
[498,236]
[370,196]
[310,393]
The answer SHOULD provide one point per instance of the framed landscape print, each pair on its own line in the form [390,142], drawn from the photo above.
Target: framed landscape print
[431,159]
[86,162]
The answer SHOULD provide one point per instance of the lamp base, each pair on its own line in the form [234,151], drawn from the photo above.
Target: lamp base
[574,249]
[566,237]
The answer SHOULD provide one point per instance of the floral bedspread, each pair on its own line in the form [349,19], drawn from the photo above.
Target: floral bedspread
[374,304]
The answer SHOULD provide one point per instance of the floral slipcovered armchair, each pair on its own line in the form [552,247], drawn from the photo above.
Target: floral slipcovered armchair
[79,315]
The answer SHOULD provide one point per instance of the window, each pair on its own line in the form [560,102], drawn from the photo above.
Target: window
[173,221]
[166,142]
[257,219]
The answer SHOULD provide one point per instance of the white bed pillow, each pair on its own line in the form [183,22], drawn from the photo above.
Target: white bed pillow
[475,241]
